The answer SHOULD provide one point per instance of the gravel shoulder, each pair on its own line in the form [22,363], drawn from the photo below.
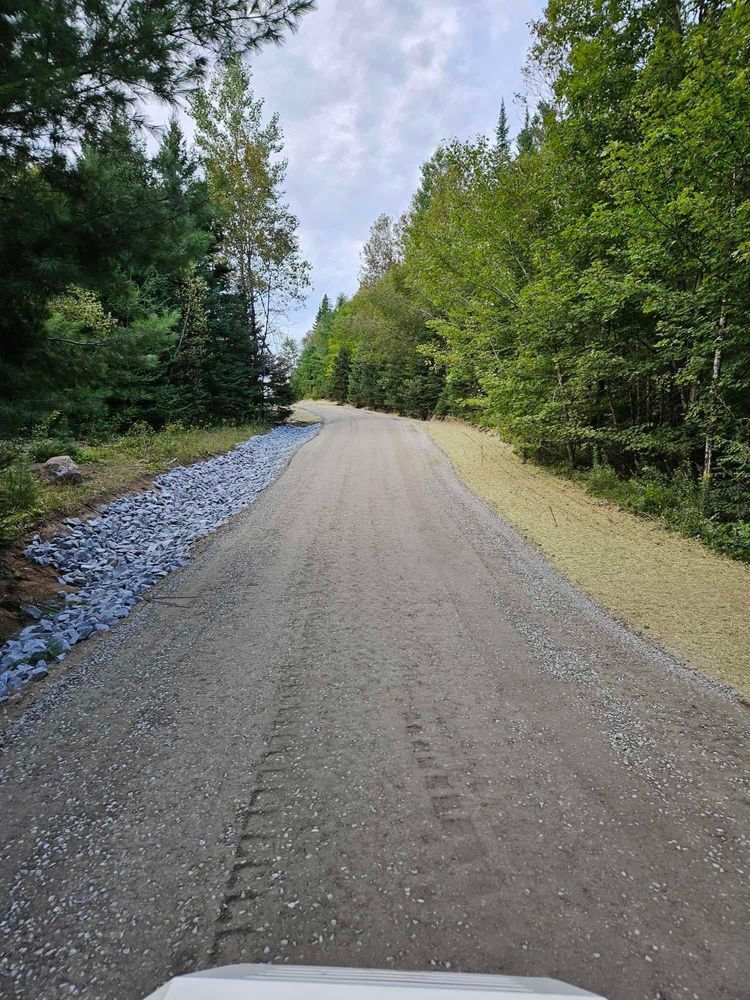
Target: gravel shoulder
[108,562]
[370,725]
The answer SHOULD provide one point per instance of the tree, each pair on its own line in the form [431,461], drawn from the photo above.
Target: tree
[365,386]
[382,249]
[587,293]
[338,379]
[110,239]
[309,376]
[502,134]
[525,139]
[280,390]
[244,175]
[68,67]
[190,359]
[289,352]
[118,300]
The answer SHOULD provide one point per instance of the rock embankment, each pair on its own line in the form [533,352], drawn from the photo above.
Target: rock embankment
[115,557]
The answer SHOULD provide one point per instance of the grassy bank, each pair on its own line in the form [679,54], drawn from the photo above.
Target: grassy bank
[108,469]
[694,602]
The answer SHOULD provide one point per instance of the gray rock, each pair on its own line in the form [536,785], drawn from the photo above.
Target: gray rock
[136,541]
[32,611]
[59,468]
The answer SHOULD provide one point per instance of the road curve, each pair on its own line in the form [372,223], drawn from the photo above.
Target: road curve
[369,725]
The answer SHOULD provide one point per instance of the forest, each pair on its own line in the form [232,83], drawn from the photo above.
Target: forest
[582,287]
[143,279]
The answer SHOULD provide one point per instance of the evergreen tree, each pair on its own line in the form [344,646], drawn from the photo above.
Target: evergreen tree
[338,379]
[525,139]
[86,212]
[502,134]
[67,67]
[309,376]
[324,311]
[365,387]
[280,392]
[186,394]
[244,175]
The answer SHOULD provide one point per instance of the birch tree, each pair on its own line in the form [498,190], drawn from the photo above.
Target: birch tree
[245,172]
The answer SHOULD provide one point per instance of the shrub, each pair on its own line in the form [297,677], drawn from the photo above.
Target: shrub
[677,500]
[42,449]
[20,502]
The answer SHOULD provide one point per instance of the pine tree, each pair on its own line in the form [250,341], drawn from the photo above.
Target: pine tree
[502,134]
[191,358]
[67,66]
[338,382]
[525,140]
[279,389]
[324,311]
[365,387]
[244,177]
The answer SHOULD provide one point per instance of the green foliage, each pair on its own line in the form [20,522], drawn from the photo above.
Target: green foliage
[678,501]
[40,449]
[121,296]
[309,376]
[376,349]
[68,66]
[19,502]
[112,466]
[338,376]
[244,174]
[585,289]
[122,301]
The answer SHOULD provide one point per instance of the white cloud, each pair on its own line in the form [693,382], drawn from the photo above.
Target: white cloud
[365,92]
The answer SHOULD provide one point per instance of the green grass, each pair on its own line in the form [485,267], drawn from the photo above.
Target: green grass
[108,468]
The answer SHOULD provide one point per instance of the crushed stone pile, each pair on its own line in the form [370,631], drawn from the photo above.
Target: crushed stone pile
[115,557]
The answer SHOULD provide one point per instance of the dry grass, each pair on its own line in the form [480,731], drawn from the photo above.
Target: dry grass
[692,601]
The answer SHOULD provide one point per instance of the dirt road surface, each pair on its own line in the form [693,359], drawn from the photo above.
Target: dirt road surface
[368,725]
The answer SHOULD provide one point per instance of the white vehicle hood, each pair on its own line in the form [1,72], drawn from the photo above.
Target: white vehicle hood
[283,982]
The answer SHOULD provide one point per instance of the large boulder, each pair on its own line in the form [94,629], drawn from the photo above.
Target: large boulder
[58,469]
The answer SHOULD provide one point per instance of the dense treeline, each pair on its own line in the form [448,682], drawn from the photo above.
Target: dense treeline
[140,284]
[585,289]
[367,351]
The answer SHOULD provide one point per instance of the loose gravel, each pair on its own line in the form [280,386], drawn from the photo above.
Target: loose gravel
[371,726]
[114,558]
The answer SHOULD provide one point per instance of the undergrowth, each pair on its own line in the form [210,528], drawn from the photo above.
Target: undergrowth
[719,520]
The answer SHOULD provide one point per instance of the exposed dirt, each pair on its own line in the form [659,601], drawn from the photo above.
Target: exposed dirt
[369,725]
[23,582]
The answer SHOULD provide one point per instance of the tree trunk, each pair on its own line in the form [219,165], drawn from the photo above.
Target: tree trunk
[568,444]
[711,410]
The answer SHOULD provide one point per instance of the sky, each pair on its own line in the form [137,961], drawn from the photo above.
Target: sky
[365,92]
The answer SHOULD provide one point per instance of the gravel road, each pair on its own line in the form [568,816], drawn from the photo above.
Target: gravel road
[369,725]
